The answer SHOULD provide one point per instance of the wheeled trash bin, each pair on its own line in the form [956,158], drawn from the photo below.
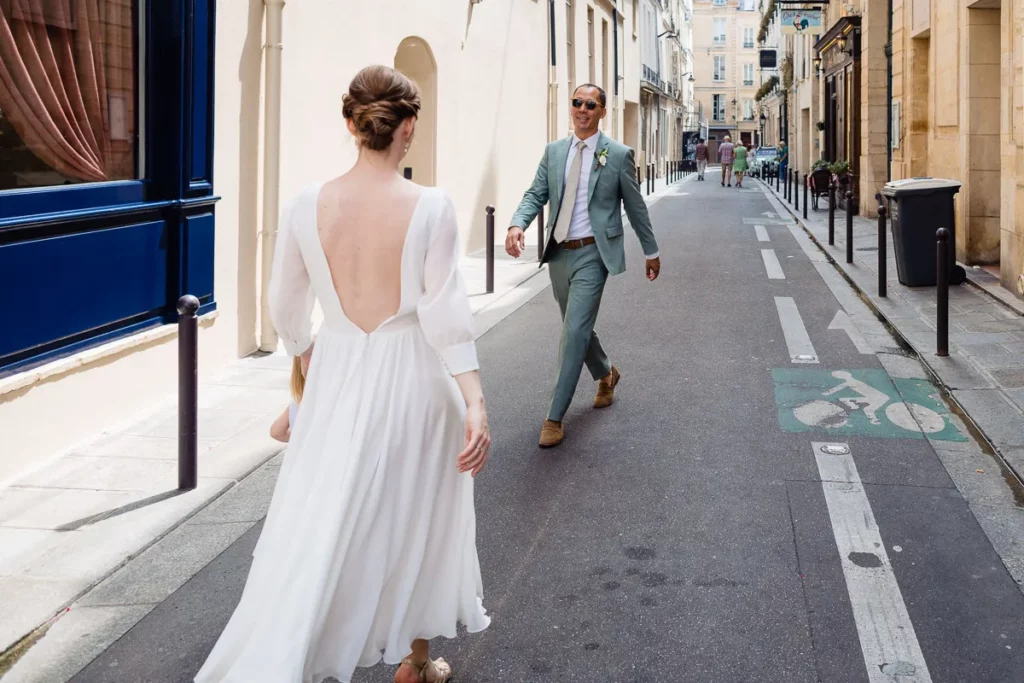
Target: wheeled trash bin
[918,207]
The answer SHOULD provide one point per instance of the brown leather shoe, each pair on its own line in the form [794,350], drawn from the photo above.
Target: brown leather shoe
[551,434]
[606,389]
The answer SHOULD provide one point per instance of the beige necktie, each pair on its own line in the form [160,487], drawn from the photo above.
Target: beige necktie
[572,184]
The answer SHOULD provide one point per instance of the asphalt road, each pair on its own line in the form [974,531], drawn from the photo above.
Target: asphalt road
[685,534]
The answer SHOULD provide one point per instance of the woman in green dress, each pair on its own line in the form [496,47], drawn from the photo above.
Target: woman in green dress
[739,166]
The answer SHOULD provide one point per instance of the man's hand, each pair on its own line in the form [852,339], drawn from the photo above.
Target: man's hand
[653,268]
[515,241]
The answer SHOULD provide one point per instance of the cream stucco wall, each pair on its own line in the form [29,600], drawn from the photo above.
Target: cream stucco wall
[957,77]
[491,125]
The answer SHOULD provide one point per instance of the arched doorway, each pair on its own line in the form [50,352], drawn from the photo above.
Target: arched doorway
[415,59]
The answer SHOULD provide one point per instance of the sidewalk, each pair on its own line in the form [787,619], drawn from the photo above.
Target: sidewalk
[69,531]
[984,372]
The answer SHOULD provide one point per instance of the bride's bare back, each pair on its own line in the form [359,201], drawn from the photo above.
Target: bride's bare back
[363,223]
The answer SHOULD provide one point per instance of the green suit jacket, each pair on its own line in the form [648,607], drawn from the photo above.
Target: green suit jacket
[612,187]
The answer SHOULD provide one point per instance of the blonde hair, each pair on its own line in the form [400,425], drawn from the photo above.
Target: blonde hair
[298,383]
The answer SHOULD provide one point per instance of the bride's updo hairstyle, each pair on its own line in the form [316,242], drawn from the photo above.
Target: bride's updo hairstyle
[378,100]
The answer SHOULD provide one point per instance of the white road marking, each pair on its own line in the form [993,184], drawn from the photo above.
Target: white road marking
[887,637]
[762,234]
[772,265]
[843,322]
[801,350]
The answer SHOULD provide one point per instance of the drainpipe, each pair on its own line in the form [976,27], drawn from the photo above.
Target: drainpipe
[888,98]
[271,164]
[615,81]
[552,77]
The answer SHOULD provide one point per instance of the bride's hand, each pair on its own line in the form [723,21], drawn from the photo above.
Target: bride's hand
[478,439]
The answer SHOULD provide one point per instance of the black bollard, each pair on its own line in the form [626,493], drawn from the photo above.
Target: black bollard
[490,250]
[849,226]
[831,212]
[805,196]
[796,191]
[883,246]
[942,292]
[778,175]
[540,234]
[188,393]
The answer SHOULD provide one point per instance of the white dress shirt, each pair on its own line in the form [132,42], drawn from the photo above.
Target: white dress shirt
[579,226]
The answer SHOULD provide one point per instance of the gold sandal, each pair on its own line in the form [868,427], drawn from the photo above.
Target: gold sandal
[442,668]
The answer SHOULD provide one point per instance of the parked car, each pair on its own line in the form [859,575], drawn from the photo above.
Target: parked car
[764,162]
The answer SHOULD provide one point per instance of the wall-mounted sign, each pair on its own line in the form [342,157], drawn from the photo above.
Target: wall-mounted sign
[769,60]
[801,21]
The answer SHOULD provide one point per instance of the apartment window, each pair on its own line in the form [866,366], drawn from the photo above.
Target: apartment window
[719,68]
[719,2]
[748,37]
[591,57]
[570,38]
[718,107]
[748,110]
[719,31]
[748,74]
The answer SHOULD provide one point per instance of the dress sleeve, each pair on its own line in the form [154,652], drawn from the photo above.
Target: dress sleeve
[290,294]
[444,310]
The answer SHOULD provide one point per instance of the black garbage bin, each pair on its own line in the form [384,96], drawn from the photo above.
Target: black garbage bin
[918,207]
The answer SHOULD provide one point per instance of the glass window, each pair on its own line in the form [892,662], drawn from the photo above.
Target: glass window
[719,31]
[718,105]
[748,37]
[72,118]
[748,74]
[719,67]
[748,110]
[719,2]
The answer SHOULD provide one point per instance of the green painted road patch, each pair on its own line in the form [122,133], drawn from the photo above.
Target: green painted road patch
[863,402]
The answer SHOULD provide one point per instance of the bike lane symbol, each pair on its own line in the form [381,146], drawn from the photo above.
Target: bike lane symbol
[861,402]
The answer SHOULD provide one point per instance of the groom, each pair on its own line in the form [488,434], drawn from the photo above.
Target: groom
[587,178]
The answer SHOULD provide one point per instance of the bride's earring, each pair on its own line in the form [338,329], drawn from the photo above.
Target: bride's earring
[406,149]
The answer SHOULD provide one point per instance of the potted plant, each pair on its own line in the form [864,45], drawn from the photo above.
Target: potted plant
[821,163]
[841,171]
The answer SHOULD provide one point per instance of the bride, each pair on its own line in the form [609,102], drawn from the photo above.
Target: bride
[369,546]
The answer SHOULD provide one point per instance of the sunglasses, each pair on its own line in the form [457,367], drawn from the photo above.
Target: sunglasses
[578,102]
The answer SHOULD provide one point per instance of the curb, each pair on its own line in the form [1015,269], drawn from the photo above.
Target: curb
[972,425]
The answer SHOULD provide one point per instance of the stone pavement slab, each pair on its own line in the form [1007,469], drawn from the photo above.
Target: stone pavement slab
[984,371]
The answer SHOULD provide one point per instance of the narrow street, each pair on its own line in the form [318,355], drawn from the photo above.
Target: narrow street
[758,505]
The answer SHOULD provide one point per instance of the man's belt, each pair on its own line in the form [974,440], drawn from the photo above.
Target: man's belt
[577,244]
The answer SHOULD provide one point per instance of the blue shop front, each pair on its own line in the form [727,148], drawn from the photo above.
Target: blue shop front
[106,158]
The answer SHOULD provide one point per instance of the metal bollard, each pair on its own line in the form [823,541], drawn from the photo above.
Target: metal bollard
[806,183]
[188,393]
[831,212]
[778,175]
[490,249]
[883,247]
[540,234]
[849,226]
[942,292]
[796,191]
[789,185]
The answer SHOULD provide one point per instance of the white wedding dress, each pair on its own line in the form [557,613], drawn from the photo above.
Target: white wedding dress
[370,540]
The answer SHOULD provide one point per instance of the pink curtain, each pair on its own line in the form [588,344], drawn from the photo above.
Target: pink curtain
[53,82]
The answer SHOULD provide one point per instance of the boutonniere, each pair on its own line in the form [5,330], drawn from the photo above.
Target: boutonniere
[602,157]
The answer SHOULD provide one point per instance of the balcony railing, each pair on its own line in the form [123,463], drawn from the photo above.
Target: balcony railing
[654,79]
[719,40]
[748,44]
[748,81]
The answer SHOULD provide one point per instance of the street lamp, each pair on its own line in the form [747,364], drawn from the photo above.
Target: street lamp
[817,62]
[760,140]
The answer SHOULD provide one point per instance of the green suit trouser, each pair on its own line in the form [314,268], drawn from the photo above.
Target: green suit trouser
[578,277]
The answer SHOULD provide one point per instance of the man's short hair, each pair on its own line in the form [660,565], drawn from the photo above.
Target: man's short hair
[601,94]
